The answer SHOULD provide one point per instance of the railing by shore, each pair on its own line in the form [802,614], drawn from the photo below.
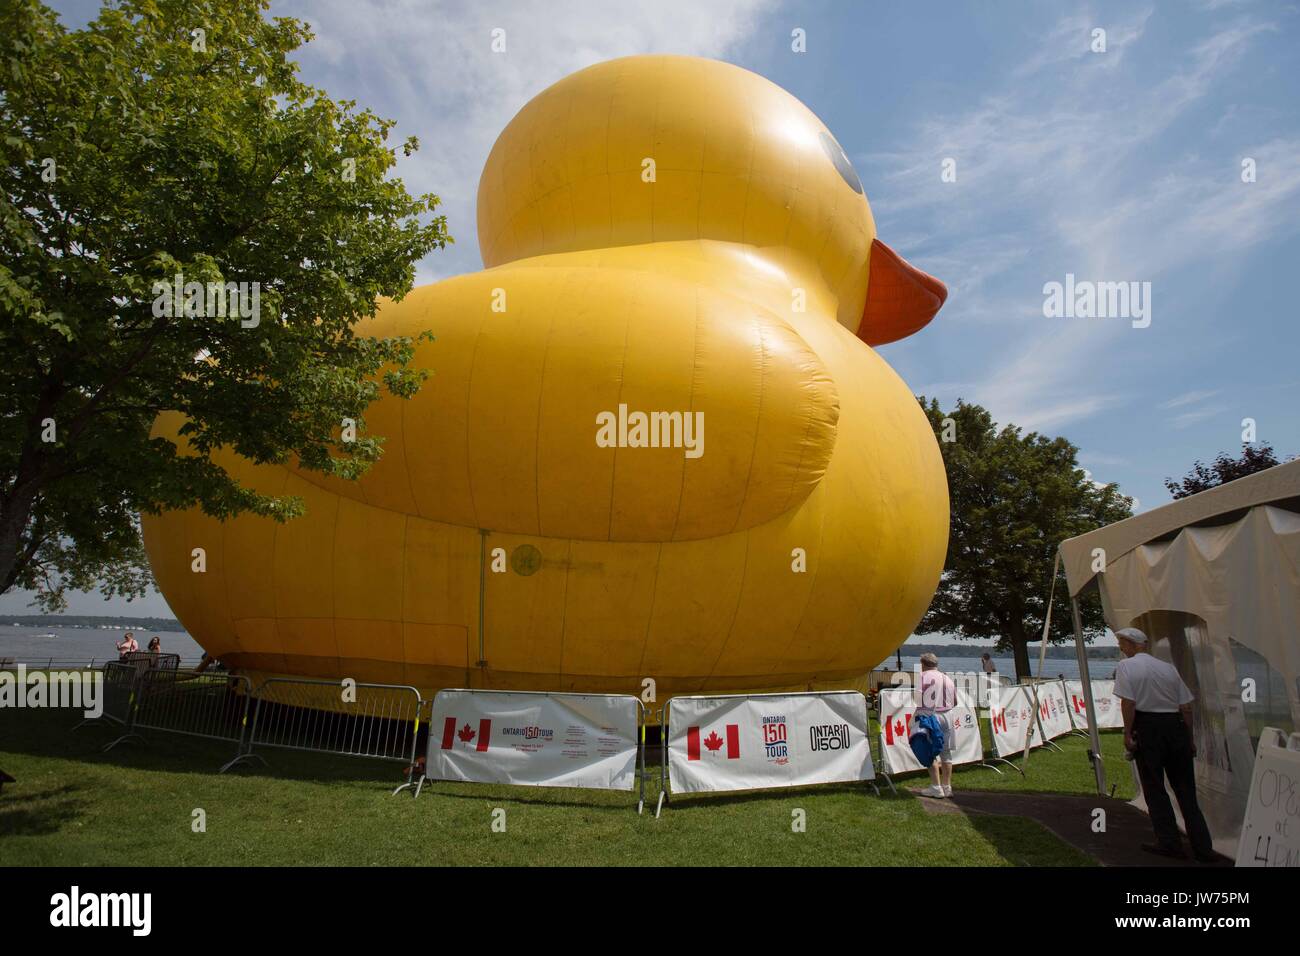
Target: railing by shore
[71,663]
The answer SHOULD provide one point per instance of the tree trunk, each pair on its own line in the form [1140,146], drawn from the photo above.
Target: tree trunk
[14,515]
[1020,647]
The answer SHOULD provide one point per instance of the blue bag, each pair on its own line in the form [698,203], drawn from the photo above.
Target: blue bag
[926,739]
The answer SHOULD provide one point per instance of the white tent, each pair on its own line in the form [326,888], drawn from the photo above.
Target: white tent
[1214,581]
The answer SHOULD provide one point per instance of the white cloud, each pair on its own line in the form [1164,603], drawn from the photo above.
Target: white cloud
[1188,419]
[1189,398]
[1071,39]
[431,67]
[1049,162]
[1099,485]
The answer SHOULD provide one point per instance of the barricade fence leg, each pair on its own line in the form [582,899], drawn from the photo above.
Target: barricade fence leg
[128,725]
[415,775]
[641,713]
[244,751]
[663,765]
[874,742]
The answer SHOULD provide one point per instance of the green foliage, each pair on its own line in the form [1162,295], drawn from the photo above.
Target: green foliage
[1223,469]
[1014,498]
[139,148]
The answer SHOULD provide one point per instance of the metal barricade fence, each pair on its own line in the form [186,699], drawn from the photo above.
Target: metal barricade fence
[639,737]
[873,741]
[993,755]
[119,696]
[986,753]
[119,692]
[213,706]
[146,661]
[665,717]
[354,720]
[361,720]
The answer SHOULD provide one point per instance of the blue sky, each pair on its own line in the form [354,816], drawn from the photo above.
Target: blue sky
[1116,166]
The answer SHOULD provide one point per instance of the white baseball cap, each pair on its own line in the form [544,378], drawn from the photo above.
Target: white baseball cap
[1131,634]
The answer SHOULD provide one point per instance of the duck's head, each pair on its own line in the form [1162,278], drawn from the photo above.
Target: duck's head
[668,148]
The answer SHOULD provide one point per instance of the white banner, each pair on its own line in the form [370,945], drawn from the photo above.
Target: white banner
[1053,710]
[767,740]
[1009,707]
[1103,699]
[1270,834]
[896,710]
[540,740]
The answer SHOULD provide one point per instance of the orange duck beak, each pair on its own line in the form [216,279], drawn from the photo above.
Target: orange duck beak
[901,299]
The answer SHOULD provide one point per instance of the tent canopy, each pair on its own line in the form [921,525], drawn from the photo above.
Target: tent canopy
[1214,581]
[1279,485]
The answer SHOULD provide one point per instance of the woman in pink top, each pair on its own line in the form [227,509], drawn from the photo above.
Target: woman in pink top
[938,696]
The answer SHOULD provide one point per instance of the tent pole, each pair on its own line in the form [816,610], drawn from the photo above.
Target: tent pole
[1094,735]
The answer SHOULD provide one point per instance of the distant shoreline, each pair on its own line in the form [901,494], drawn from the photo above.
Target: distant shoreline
[1060,652]
[92,622]
[164,624]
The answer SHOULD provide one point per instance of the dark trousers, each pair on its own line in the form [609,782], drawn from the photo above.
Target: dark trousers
[1164,749]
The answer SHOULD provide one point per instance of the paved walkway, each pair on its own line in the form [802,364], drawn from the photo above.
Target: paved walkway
[1070,818]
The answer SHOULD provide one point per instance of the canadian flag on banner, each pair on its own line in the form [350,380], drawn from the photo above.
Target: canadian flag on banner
[713,743]
[898,729]
[999,718]
[1079,703]
[466,734]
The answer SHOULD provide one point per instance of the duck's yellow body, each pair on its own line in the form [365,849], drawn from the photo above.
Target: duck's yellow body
[665,236]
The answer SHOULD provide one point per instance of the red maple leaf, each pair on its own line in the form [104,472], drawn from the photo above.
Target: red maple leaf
[898,728]
[466,734]
[713,741]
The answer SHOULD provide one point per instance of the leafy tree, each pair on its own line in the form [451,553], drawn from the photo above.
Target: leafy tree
[1014,499]
[1223,470]
[174,138]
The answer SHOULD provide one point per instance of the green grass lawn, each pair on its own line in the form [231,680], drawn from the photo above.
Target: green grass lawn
[1050,772]
[73,805]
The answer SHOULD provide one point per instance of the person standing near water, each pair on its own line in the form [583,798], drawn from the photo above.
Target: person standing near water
[127,645]
[938,696]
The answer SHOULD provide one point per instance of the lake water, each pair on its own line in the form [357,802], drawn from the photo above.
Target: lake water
[78,645]
[82,645]
[1098,669]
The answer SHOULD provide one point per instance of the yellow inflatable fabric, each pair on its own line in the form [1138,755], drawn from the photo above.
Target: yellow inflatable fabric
[657,442]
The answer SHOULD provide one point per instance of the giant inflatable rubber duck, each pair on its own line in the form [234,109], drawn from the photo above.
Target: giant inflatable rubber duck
[657,443]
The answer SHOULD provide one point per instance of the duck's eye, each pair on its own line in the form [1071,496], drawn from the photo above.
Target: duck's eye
[841,162]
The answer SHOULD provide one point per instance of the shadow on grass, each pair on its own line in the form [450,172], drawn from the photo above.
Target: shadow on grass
[1022,841]
[518,796]
[40,813]
[692,801]
[51,733]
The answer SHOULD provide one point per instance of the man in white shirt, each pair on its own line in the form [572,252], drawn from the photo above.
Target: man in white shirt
[1157,708]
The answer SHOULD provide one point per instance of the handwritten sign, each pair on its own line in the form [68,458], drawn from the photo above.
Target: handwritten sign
[1270,835]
